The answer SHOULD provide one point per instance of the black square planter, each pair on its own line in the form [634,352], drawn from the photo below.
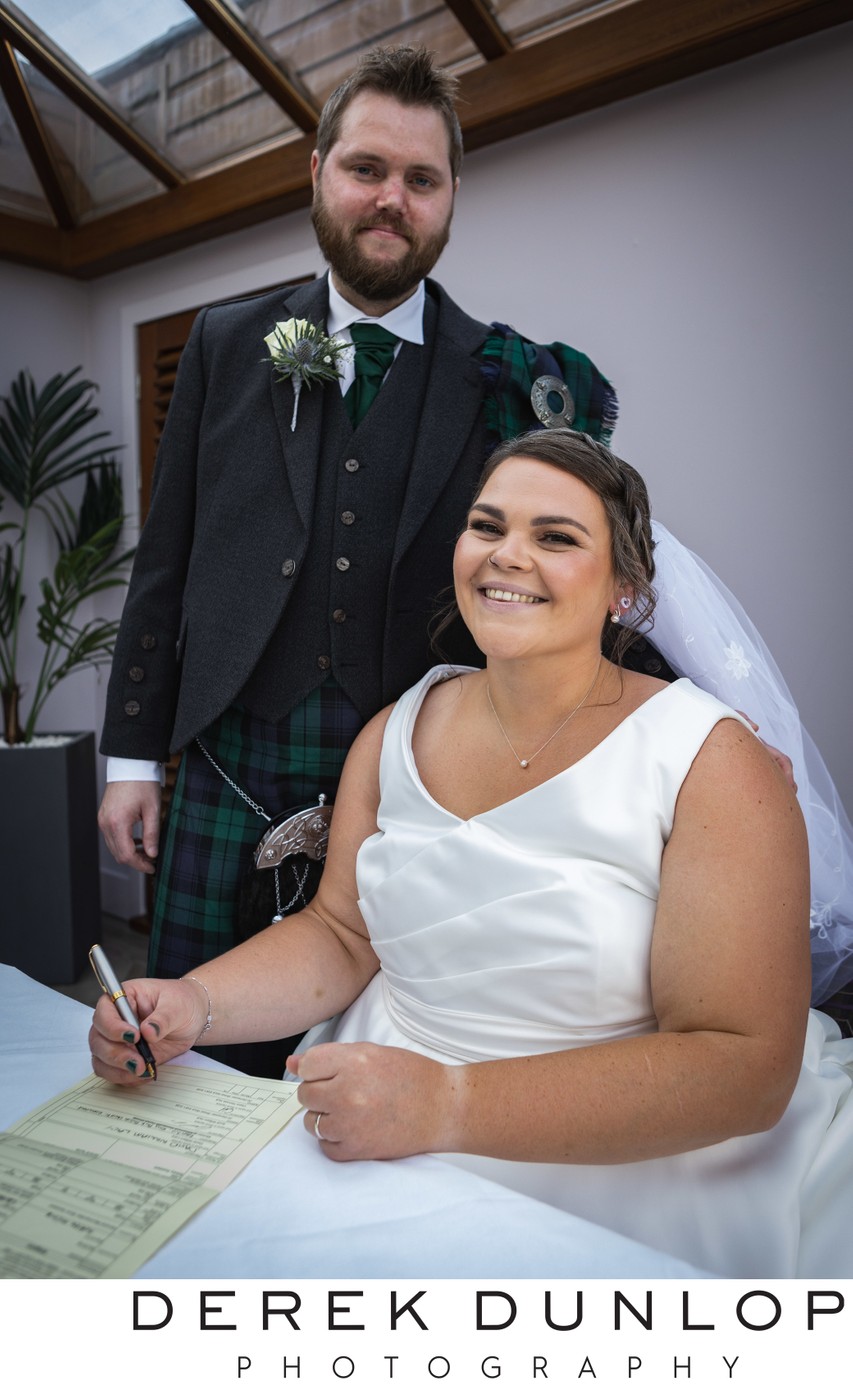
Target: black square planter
[50,897]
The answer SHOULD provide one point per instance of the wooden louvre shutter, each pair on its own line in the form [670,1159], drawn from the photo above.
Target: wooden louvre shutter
[159,348]
[159,345]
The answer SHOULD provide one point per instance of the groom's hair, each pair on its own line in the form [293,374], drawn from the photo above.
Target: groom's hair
[410,76]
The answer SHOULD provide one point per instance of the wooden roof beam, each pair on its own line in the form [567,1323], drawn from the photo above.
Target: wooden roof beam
[251,53]
[278,180]
[27,242]
[482,28]
[34,136]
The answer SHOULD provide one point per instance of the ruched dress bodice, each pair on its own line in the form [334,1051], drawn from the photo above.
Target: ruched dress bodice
[528,928]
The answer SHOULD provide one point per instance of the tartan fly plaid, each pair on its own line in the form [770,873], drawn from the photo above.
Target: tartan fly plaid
[211,833]
[510,364]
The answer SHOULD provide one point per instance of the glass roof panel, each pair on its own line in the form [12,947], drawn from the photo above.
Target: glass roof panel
[210,110]
[20,190]
[98,33]
[319,44]
[97,174]
[525,20]
[167,76]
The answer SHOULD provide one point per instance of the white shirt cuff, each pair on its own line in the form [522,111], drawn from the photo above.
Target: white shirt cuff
[123,768]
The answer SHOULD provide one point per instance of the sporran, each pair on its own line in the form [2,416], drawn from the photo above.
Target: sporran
[286,867]
[286,864]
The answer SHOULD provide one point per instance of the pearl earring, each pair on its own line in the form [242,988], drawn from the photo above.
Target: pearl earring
[624,603]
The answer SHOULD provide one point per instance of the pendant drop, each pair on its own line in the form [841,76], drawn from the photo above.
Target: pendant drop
[276,919]
[523,765]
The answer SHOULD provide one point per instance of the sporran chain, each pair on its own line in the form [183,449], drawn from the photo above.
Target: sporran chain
[299,894]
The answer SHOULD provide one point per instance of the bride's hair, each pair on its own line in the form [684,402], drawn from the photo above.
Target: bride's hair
[623,494]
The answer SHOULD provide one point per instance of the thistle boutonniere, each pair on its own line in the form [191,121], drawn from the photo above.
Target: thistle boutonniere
[303,353]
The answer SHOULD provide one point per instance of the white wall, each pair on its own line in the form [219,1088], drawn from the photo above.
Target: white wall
[695,242]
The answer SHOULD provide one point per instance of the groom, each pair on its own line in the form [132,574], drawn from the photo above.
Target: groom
[290,565]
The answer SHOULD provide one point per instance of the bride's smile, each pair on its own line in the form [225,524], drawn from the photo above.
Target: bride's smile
[507,594]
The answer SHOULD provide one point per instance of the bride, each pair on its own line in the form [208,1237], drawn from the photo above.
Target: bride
[564,918]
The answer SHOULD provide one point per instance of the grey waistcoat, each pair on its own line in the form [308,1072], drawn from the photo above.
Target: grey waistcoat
[336,618]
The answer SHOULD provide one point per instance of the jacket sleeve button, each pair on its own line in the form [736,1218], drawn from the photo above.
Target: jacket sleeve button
[288,568]
[132,708]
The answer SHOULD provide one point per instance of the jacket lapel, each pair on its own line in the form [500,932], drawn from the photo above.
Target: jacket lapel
[301,446]
[452,401]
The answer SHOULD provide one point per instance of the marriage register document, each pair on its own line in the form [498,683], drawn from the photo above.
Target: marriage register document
[93,1182]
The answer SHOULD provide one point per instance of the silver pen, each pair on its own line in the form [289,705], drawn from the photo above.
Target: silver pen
[113,988]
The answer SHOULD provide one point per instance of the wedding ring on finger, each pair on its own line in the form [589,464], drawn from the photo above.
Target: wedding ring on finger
[318,1134]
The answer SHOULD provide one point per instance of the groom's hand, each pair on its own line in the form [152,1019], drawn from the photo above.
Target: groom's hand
[784,762]
[125,804]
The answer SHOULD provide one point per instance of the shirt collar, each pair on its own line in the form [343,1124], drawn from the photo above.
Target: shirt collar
[406,321]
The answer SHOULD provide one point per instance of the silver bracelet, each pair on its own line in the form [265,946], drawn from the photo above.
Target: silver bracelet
[188,977]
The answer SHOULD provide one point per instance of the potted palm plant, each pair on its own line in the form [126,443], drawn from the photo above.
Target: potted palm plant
[49,881]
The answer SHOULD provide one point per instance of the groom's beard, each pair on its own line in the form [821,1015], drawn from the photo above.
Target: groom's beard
[377,282]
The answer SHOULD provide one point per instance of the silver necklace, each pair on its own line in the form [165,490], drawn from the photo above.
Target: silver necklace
[524,761]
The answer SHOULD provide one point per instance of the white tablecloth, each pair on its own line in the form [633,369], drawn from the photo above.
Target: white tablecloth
[292,1212]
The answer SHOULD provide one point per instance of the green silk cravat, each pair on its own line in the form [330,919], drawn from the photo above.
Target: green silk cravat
[374,352]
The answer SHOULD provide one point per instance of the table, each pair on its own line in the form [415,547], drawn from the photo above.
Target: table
[293,1213]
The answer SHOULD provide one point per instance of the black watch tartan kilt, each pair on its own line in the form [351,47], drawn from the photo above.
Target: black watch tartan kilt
[211,833]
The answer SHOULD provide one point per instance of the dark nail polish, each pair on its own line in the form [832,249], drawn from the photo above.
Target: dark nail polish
[128,1036]
[131,1065]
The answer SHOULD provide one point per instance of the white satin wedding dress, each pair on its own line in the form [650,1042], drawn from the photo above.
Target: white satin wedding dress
[528,928]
